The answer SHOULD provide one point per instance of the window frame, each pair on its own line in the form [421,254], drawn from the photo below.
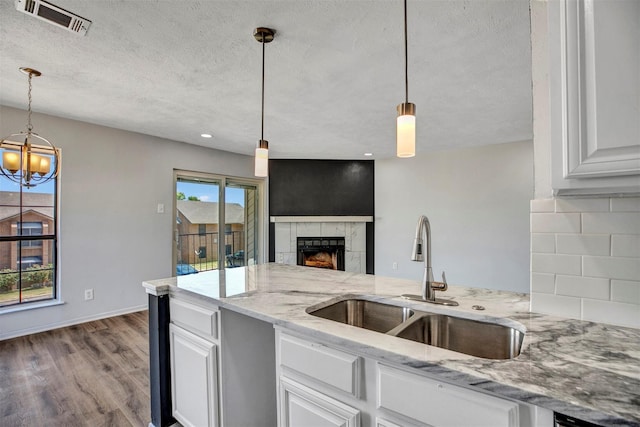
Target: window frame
[223,180]
[20,238]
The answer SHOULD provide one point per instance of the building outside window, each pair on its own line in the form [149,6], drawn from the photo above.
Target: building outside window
[31,229]
[28,243]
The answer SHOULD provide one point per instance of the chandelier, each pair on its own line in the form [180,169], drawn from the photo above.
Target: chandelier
[24,163]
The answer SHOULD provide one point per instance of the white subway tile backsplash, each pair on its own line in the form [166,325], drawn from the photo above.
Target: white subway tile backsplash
[625,291]
[584,287]
[583,244]
[582,205]
[611,267]
[611,223]
[556,305]
[555,222]
[543,205]
[625,204]
[591,268]
[543,242]
[554,263]
[625,245]
[617,313]
[543,283]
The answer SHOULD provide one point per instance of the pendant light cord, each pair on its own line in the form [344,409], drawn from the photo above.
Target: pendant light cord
[262,125]
[406,54]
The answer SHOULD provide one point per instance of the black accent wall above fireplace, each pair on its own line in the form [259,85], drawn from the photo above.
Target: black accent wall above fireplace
[321,187]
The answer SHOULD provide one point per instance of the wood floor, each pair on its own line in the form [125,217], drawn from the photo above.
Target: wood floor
[93,374]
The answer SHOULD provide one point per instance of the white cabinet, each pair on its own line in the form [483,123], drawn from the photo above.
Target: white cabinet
[194,379]
[194,364]
[303,406]
[322,385]
[332,367]
[440,404]
[594,78]
[318,386]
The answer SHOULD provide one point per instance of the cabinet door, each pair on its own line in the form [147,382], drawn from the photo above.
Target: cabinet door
[302,406]
[194,379]
[439,404]
[595,95]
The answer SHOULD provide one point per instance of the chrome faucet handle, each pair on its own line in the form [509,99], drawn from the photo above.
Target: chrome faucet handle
[440,286]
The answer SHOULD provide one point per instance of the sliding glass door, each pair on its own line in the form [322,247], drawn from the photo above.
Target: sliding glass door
[218,222]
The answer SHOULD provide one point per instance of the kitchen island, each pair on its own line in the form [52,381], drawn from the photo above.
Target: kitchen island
[585,370]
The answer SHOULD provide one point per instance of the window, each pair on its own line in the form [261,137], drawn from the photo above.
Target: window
[28,243]
[202,241]
[202,252]
[31,229]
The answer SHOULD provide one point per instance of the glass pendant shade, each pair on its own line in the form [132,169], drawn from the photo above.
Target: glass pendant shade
[262,159]
[406,130]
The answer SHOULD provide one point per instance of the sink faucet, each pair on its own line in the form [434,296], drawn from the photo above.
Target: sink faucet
[429,286]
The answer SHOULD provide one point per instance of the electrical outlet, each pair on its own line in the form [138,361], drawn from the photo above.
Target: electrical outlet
[280,258]
[88,294]
[394,265]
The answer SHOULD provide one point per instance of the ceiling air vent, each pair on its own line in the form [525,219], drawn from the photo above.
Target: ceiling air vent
[54,15]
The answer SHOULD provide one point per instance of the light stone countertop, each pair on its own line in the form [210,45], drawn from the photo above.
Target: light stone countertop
[587,370]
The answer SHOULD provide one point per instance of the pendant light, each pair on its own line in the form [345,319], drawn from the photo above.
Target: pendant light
[262,35]
[22,162]
[406,121]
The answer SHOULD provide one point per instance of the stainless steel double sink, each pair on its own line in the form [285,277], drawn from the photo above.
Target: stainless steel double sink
[472,337]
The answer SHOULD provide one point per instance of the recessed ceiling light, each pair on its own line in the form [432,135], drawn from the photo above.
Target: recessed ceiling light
[368,154]
[206,135]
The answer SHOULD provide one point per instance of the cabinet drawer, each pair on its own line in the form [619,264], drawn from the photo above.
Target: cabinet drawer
[441,404]
[197,319]
[301,406]
[332,367]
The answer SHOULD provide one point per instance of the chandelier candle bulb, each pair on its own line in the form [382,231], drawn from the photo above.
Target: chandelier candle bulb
[11,161]
[34,163]
[45,165]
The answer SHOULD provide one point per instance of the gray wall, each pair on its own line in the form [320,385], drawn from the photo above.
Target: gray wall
[477,201]
[111,238]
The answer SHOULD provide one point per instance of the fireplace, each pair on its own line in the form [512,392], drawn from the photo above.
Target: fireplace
[321,252]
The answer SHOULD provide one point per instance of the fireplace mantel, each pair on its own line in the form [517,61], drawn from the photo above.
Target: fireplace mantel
[322,219]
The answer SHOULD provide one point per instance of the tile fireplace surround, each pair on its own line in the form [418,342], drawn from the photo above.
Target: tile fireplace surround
[352,228]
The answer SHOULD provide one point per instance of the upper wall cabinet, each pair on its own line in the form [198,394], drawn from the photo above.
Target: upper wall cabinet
[594,78]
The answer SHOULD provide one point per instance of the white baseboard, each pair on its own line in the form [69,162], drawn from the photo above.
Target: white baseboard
[72,322]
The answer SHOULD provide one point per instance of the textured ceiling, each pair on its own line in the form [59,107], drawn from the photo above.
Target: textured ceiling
[334,73]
